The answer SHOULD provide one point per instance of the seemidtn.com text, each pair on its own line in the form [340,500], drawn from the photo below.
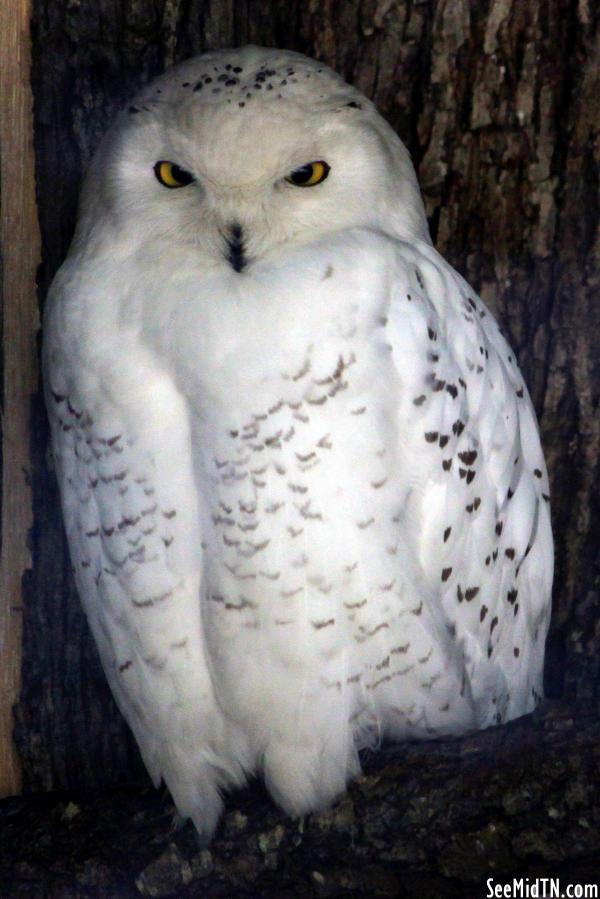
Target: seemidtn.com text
[540,888]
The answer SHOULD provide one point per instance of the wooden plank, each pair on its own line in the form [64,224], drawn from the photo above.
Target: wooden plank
[20,249]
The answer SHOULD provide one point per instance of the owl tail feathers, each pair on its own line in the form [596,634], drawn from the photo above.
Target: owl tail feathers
[196,793]
[302,780]
[201,802]
[196,778]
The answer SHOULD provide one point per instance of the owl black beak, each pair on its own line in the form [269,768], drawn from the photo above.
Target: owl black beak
[235,254]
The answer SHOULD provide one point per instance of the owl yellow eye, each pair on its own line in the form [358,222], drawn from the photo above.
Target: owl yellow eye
[171,175]
[308,175]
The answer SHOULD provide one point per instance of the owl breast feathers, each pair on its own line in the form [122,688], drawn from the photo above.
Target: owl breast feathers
[301,475]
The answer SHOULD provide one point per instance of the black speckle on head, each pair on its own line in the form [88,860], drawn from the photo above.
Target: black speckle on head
[199,86]
[185,84]
[133,110]
[354,105]
[238,69]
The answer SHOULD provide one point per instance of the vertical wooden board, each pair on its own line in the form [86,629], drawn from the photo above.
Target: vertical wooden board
[20,249]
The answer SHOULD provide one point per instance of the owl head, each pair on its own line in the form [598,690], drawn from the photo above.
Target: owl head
[238,153]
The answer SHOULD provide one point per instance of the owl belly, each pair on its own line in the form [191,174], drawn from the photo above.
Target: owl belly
[319,640]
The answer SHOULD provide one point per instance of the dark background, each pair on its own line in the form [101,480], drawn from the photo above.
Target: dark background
[498,101]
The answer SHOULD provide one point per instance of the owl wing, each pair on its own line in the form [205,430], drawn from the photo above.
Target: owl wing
[477,517]
[122,451]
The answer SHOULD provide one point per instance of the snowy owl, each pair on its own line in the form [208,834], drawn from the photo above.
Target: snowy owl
[301,477]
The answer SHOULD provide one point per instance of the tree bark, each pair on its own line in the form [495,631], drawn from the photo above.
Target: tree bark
[425,821]
[497,101]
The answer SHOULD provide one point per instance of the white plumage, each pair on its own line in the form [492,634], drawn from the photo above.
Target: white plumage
[301,474]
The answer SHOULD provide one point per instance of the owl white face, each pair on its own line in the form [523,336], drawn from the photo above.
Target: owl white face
[240,152]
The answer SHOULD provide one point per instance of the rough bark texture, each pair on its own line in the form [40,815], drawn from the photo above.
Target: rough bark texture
[497,101]
[431,821]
